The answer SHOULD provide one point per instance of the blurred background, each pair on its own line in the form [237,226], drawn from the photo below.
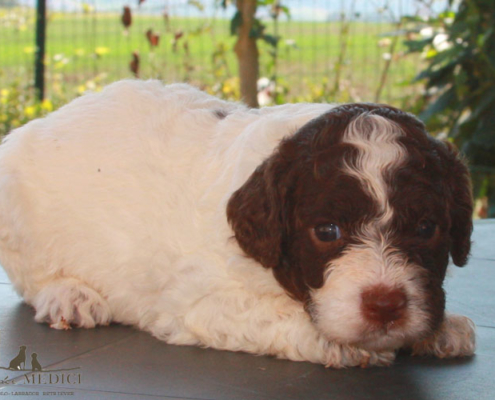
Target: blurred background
[435,58]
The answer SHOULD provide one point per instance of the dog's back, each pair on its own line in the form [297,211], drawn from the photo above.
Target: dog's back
[117,186]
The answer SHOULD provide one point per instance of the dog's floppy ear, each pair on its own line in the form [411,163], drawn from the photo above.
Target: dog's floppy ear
[461,211]
[460,202]
[457,178]
[258,210]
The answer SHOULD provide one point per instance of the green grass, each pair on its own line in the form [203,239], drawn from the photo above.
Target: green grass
[81,47]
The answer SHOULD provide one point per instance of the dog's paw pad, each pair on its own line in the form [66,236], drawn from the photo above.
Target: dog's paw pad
[69,302]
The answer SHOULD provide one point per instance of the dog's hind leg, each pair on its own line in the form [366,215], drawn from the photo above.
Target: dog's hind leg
[69,301]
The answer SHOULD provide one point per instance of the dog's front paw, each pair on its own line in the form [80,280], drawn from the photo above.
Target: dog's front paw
[68,301]
[455,338]
[342,356]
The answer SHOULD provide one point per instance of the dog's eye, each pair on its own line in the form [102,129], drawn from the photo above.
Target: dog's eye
[426,229]
[328,232]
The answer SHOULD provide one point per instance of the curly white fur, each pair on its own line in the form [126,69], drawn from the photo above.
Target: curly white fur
[135,231]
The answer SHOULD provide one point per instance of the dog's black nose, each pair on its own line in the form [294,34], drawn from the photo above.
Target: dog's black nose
[382,305]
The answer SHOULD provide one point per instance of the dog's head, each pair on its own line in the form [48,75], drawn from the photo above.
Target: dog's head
[356,214]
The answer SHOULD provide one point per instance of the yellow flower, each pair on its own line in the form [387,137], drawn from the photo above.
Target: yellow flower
[29,49]
[4,92]
[226,89]
[431,53]
[29,111]
[100,51]
[228,86]
[47,105]
[87,8]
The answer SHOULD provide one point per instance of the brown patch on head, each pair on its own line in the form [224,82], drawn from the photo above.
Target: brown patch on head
[300,185]
[432,187]
[303,184]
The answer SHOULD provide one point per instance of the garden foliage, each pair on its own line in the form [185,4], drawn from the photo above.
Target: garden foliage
[460,85]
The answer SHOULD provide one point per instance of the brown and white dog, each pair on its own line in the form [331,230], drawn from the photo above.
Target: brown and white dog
[306,231]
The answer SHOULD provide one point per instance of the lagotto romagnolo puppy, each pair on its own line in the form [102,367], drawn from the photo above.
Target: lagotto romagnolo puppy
[306,231]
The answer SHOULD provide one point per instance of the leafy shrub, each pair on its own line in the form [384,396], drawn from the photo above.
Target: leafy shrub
[18,106]
[460,85]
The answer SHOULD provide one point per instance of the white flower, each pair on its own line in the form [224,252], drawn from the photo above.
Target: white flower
[263,83]
[426,32]
[266,89]
[441,42]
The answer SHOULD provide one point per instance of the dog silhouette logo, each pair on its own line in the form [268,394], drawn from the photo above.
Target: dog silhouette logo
[36,366]
[18,363]
[19,360]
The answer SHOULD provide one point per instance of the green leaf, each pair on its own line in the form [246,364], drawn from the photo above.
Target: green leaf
[197,4]
[458,29]
[272,40]
[446,100]
[454,55]
[414,46]
[485,132]
[412,18]
[431,53]
[447,14]
[437,77]
[235,23]
[285,10]
[257,29]
[485,103]
[264,2]
[462,132]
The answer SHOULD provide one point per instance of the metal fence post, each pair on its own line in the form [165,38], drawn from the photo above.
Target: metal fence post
[39,62]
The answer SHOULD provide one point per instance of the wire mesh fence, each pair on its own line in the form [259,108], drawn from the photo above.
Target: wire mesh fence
[324,50]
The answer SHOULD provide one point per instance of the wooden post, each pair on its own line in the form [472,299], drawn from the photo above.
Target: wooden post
[247,53]
[39,62]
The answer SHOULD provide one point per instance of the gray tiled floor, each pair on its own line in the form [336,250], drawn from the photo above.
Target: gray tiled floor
[122,363]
